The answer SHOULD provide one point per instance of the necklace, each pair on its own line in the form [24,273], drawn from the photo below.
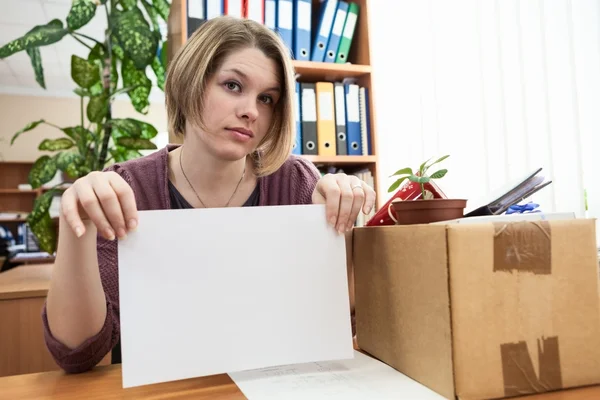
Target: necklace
[196,193]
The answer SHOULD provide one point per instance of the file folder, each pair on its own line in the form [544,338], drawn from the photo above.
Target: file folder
[214,8]
[271,14]
[325,119]
[349,28]
[353,120]
[195,16]
[285,23]
[364,133]
[336,32]
[341,144]
[324,26]
[302,29]
[234,8]
[297,146]
[255,10]
[309,118]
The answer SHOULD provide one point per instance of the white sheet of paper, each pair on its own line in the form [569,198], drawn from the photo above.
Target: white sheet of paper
[209,291]
[357,379]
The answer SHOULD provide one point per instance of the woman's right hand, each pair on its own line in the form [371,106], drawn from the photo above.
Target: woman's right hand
[105,199]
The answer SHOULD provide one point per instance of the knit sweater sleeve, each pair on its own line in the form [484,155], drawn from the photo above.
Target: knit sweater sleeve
[303,180]
[94,349]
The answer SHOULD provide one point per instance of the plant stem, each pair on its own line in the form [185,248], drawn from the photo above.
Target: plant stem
[422,191]
[87,37]
[81,41]
[106,85]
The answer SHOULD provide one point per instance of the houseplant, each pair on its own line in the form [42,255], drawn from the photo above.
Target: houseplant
[131,45]
[425,208]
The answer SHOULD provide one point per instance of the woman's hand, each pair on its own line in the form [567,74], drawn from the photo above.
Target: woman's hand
[105,199]
[343,196]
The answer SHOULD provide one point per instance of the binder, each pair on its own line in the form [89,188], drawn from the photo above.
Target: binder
[271,14]
[326,136]
[353,120]
[512,193]
[195,16]
[346,40]
[325,24]
[309,118]
[364,134]
[297,146]
[234,8]
[255,10]
[368,113]
[285,23]
[214,8]
[341,144]
[302,29]
[336,32]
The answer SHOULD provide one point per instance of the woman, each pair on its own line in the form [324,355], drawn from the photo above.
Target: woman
[229,94]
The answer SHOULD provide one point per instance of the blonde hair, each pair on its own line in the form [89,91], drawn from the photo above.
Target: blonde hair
[201,57]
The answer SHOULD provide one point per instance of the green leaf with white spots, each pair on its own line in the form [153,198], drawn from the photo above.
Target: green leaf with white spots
[136,143]
[40,35]
[135,36]
[97,108]
[28,127]
[136,78]
[85,73]
[82,12]
[42,171]
[56,144]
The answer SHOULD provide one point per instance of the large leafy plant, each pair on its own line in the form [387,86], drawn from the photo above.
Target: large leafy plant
[130,47]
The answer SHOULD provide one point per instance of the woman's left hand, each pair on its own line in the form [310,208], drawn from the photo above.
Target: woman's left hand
[344,196]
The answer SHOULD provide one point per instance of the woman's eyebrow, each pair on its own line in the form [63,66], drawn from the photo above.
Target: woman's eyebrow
[244,76]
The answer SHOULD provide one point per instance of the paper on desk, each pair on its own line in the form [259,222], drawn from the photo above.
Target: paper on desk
[208,291]
[360,378]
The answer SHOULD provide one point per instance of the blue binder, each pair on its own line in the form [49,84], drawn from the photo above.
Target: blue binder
[302,29]
[285,22]
[336,32]
[353,120]
[326,17]
[297,149]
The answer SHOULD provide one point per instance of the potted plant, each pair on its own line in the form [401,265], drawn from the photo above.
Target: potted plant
[131,45]
[425,209]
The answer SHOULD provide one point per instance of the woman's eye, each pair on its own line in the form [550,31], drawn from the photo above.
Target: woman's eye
[266,99]
[232,86]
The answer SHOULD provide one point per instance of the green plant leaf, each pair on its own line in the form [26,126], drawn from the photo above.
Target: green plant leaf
[40,35]
[27,128]
[164,54]
[56,144]
[79,133]
[117,50]
[97,108]
[397,184]
[419,179]
[128,4]
[162,7]
[402,171]
[151,11]
[36,63]
[439,174]
[120,154]
[65,158]
[126,127]
[438,160]
[136,143]
[422,168]
[136,78]
[42,171]
[135,37]
[82,12]
[159,71]
[148,130]
[41,223]
[85,73]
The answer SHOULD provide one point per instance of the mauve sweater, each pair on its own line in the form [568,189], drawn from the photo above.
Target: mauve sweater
[148,176]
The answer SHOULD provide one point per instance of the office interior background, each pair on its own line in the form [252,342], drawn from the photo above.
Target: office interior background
[502,87]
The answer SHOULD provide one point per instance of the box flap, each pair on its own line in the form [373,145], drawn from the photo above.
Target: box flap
[525,309]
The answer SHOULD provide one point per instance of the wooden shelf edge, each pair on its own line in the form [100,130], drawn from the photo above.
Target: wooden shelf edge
[314,66]
[340,159]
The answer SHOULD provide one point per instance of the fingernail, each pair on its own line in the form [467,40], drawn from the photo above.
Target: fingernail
[132,224]
[332,221]
[350,225]
[341,228]
[367,210]
[121,233]
[110,235]
[78,232]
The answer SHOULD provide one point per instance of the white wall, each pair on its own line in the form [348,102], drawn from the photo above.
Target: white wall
[503,86]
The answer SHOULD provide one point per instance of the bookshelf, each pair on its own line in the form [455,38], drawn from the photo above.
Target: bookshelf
[357,69]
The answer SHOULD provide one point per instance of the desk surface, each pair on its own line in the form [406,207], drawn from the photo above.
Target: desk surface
[105,383]
[25,281]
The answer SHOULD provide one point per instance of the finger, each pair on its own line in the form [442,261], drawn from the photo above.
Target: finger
[346,201]
[126,199]
[89,202]
[370,197]
[110,205]
[70,213]
[359,198]
[328,192]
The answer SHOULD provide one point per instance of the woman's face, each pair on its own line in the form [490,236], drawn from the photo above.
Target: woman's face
[239,103]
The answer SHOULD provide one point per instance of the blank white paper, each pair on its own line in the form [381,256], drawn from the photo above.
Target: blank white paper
[361,378]
[209,291]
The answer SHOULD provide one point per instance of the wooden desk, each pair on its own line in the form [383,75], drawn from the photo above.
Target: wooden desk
[105,383]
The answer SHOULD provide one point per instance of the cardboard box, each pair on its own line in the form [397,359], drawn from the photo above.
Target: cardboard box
[481,311]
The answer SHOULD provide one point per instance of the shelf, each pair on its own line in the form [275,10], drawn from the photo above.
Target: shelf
[341,160]
[310,70]
[17,191]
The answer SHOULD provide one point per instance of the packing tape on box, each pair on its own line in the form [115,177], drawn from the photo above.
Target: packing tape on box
[526,247]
